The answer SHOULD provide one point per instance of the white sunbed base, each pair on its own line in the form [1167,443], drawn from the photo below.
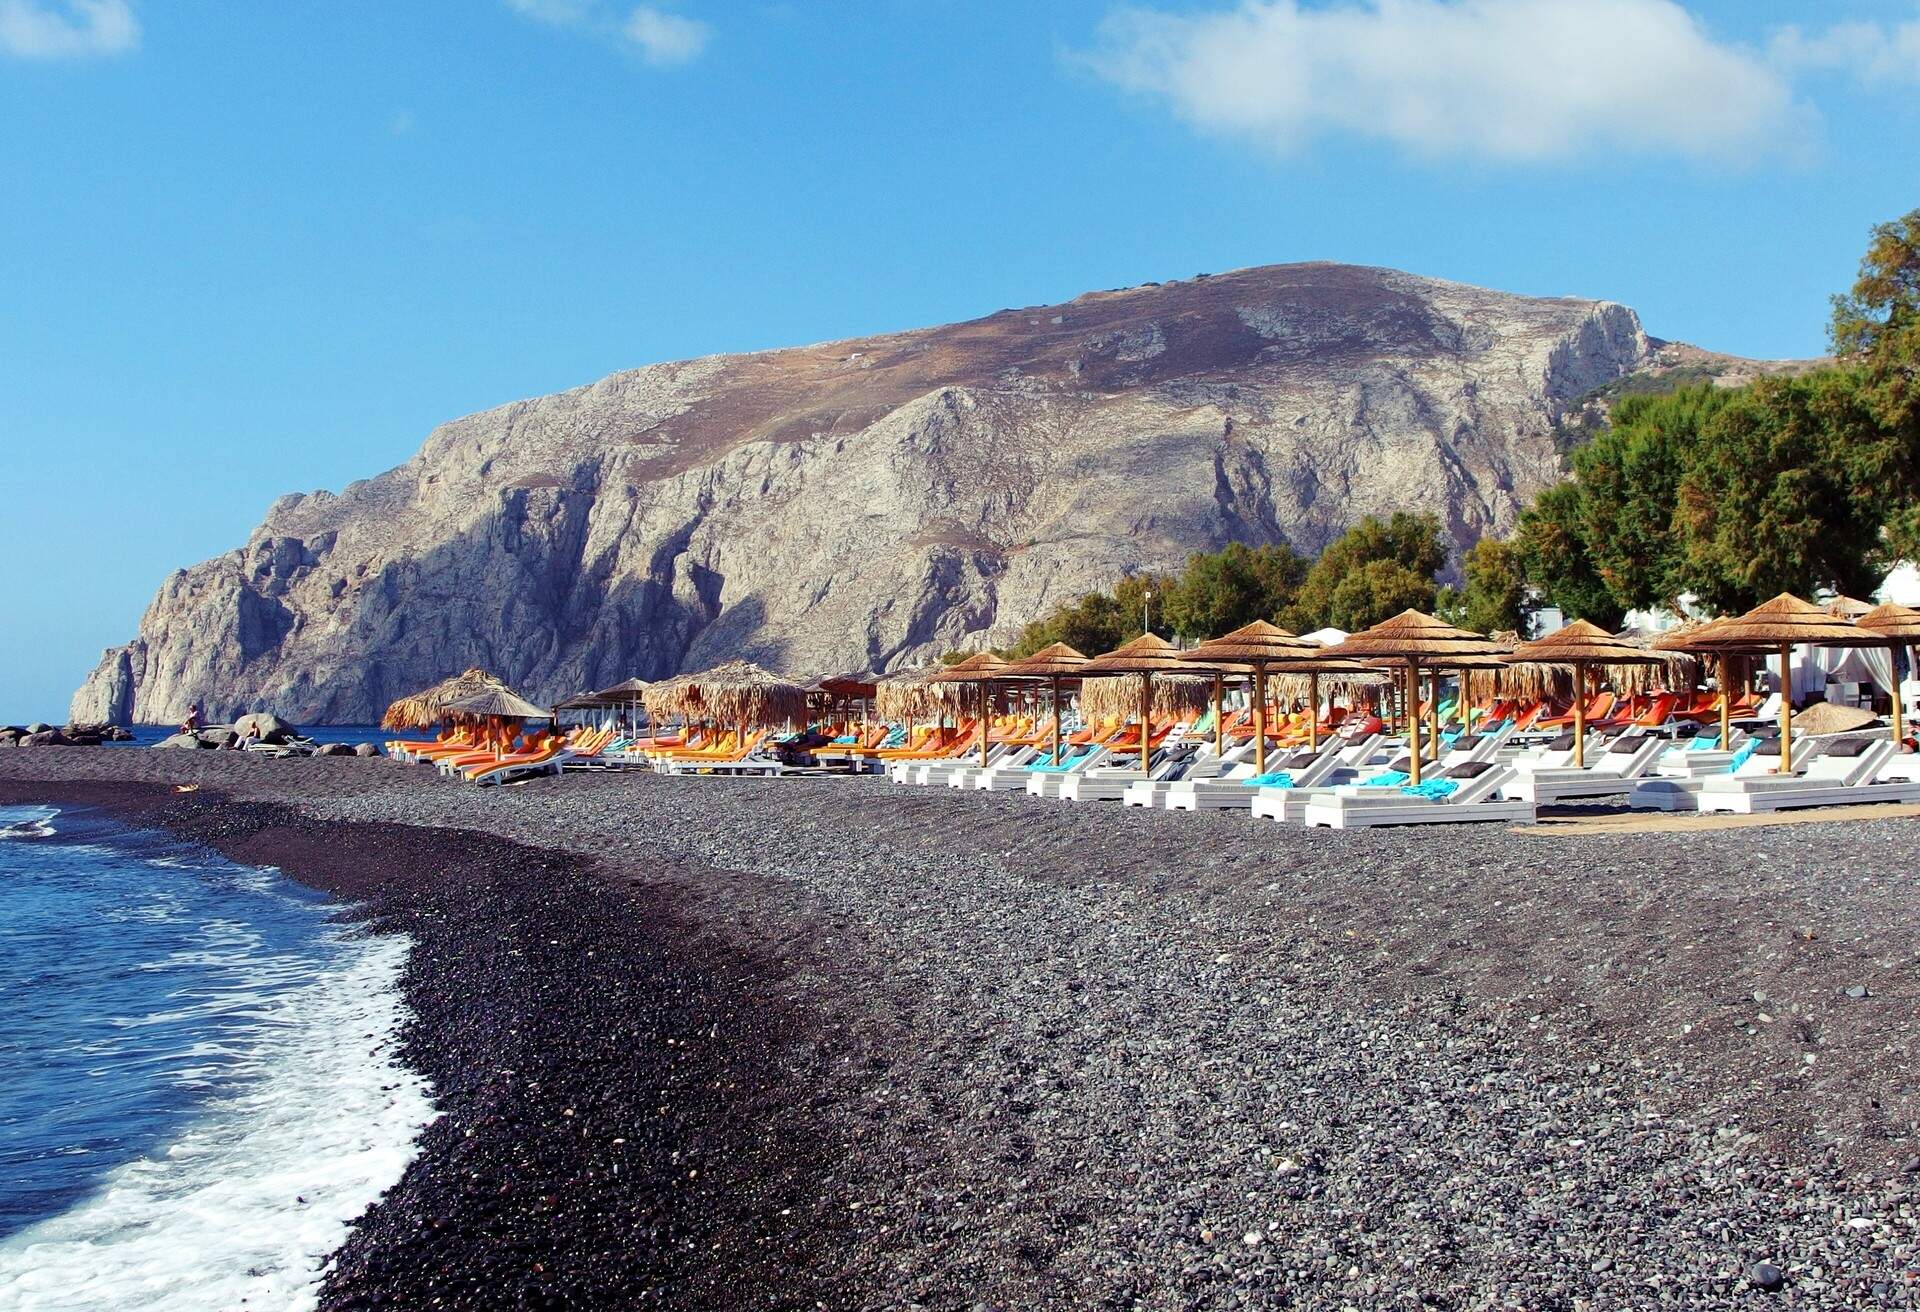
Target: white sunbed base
[1810,793]
[1287,805]
[1352,812]
[1666,794]
[1210,795]
[1096,788]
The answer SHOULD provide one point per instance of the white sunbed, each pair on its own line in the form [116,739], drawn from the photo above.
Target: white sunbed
[1478,746]
[1477,799]
[510,771]
[1288,804]
[1108,783]
[1626,759]
[1013,778]
[1848,773]
[1682,793]
[962,776]
[1232,791]
[1206,764]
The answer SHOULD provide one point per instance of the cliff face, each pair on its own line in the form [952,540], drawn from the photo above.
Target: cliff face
[872,502]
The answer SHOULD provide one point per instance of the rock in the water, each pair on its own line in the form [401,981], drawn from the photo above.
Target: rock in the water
[266,727]
[38,727]
[365,749]
[187,740]
[976,474]
[1768,1276]
[42,738]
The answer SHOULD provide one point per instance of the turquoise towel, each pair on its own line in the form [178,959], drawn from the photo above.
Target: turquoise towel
[1276,779]
[1436,789]
[1704,742]
[1740,757]
[848,739]
[1385,779]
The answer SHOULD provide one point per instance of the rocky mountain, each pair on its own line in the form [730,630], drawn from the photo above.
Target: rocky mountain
[867,503]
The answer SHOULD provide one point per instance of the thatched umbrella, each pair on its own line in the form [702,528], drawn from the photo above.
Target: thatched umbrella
[1057,663]
[834,691]
[739,694]
[981,668]
[498,704]
[1147,655]
[1897,626]
[1580,645]
[908,695]
[428,707]
[1254,649]
[1782,624]
[1848,608]
[1411,640]
[1173,694]
[1691,637]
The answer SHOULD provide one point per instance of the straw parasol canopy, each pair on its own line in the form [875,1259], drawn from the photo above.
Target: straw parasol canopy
[1896,626]
[1147,655]
[1782,624]
[981,668]
[428,707]
[1894,623]
[914,695]
[1823,718]
[737,693]
[498,704]
[1412,640]
[1173,694]
[1580,645]
[1848,608]
[1255,649]
[1056,663]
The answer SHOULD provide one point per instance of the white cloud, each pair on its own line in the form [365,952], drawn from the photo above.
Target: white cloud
[561,13]
[67,29]
[664,38]
[661,38]
[1510,80]
[1871,52]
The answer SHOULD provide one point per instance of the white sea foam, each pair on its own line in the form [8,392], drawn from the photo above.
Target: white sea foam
[248,1202]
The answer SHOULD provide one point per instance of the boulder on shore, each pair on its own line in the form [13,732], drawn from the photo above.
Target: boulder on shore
[266,727]
[39,727]
[219,736]
[333,749]
[187,740]
[365,749]
[43,738]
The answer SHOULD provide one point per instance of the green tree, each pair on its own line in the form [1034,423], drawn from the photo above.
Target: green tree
[1493,595]
[1220,591]
[1553,554]
[1378,590]
[1876,331]
[1408,540]
[1770,501]
[1629,478]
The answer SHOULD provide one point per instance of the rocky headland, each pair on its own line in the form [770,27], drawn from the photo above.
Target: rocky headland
[866,503]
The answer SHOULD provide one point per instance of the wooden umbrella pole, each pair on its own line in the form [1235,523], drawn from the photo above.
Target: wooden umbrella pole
[1579,715]
[1727,702]
[1893,663]
[1056,722]
[1220,730]
[1146,711]
[1433,708]
[983,724]
[1259,717]
[1786,708]
[1413,723]
[1313,710]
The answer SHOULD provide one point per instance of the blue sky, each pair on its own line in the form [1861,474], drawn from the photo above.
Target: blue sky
[247,249]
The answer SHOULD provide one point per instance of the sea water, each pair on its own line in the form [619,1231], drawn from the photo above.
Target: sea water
[198,1080]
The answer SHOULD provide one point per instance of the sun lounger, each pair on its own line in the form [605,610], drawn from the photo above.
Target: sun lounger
[1284,798]
[1470,794]
[1625,759]
[1757,756]
[1205,764]
[1109,783]
[550,760]
[1848,773]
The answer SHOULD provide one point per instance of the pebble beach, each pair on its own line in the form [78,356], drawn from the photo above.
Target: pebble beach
[826,1042]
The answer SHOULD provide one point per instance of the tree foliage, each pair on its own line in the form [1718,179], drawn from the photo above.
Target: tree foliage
[1553,552]
[1343,590]
[1876,332]
[1237,585]
[1493,593]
